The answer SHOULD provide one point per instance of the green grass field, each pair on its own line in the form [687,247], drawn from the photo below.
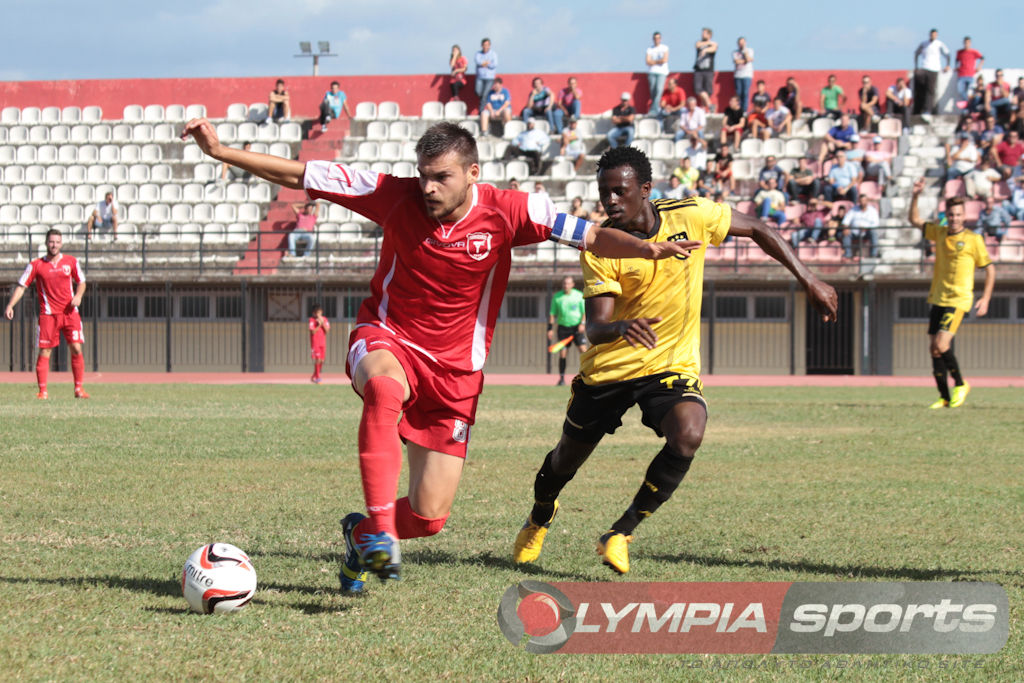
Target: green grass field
[101,501]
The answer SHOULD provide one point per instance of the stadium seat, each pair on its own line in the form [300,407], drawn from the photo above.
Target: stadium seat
[820,127]
[165,132]
[409,151]
[73,214]
[456,109]
[870,189]
[381,167]
[17,232]
[191,154]
[63,194]
[109,154]
[119,133]
[280,149]
[259,192]
[485,150]
[213,233]
[337,213]
[492,171]
[161,173]
[17,135]
[388,111]
[513,128]
[743,168]
[751,147]
[138,173]
[399,130]
[517,169]
[92,114]
[138,213]
[642,145]
[81,133]
[159,213]
[576,188]
[237,111]
[5,194]
[153,113]
[46,154]
[890,128]
[26,154]
[237,233]
[10,115]
[472,125]
[167,232]
[117,173]
[170,193]
[225,213]
[175,113]
[148,193]
[562,170]
[50,115]
[795,148]
[247,132]
[664,149]
[195,111]
[85,194]
[972,208]
[268,132]
[366,111]
[390,151]
[213,193]
[377,130]
[30,115]
[290,132]
[432,111]
[37,135]
[191,193]
[954,188]
[9,214]
[60,134]
[43,194]
[189,232]
[368,151]
[648,128]
[132,113]
[249,213]
[236,192]
[775,147]
[257,113]
[66,154]
[13,174]
[204,173]
[227,132]
[29,213]
[35,174]
[21,194]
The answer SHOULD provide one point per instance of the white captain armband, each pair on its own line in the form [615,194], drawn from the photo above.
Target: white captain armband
[570,231]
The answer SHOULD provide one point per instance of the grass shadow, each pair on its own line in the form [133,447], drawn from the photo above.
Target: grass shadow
[161,587]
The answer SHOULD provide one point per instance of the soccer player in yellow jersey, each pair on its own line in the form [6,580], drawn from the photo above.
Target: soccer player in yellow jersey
[957,253]
[644,323]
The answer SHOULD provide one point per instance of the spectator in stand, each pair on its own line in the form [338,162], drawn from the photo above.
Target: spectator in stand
[577,209]
[812,223]
[772,171]
[1015,204]
[333,104]
[539,102]
[305,228]
[761,98]
[962,158]
[839,137]
[803,184]
[855,153]
[780,120]
[832,98]
[458,64]
[757,121]
[979,181]
[862,222]
[993,220]
[998,97]
[877,163]
[704,69]
[834,226]
[598,216]
[532,143]
[622,131]
[927,64]
[771,203]
[567,106]
[572,147]
[790,96]
[743,74]
[706,185]
[103,216]
[968,62]
[1008,153]
[486,61]
[1016,121]
[733,124]
[239,174]
[869,107]
[657,72]
[899,101]
[513,184]
[538,188]
[692,120]
[697,150]
[724,178]
[497,105]
[675,188]
[989,136]
[1018,92]
[672,102]
[842,179]
[279,106]
[688,176]
[977,101]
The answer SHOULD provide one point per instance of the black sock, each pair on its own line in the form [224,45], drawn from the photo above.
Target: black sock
[953,367]
[561,366]
[546,488]
[664,474]
[939,371]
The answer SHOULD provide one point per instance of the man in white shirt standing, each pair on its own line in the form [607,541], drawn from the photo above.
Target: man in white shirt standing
[743,59]
[657,72]
[927,64]
[104,215]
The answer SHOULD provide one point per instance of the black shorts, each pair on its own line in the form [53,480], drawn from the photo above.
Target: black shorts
[596,410]
[703,81]
[578,338]
[945,318]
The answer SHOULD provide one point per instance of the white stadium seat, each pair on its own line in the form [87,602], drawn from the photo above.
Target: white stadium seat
[56,174]
[92,114]
[126,193]
[21,194]
[67,154]
[17,135]
[366,111]
[237,233]
[204,172]
[10,115]
[13,175]
[50,213]
[88,154]
[388,111]
[75,176]
[432,111]
[131,154]
[249,213]
[35,174]
[117,173]
[161,173]
[30,115]
[26,154]
[142,132]
[403,169]
[170,193]
[149,193]
[50,115]
[192,193]
[137,213]
[236,192]
[175,112]
[368,151]
[39,134]
[390,151]
[257,112]
[165,132]
[237,111]
[9,214]
[227,132]
[63,194]
[60,134]
[456,109]
[73,214]
[81,133]
[399,130]
[195,111]
[377,130]
[381,167]
[153,113]
[138,173]
[225,213]
[159,213]
[30,213]
[47,154]
[202,213]
[110,154]
[132,113]
[290,132]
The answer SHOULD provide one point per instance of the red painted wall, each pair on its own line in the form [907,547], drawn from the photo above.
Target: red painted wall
[601,91]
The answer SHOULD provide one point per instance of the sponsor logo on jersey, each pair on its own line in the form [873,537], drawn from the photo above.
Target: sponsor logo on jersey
[680,237]
[478,245]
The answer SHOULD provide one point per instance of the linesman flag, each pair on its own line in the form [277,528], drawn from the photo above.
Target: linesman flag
[560,344]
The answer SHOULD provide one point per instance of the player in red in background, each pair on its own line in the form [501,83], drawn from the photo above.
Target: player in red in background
[422,336]
[319,326]
[60,286]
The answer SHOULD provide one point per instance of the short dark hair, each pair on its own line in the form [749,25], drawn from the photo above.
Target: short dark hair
[954,201]
[445,137]
[336,83]
[627,156]
[54,231]
[279,81]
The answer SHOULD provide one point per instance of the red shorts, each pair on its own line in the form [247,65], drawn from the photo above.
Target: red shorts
[50,327]
[442,402]
[318,352]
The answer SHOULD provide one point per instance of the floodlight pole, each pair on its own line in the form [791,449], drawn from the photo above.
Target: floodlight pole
[307,52]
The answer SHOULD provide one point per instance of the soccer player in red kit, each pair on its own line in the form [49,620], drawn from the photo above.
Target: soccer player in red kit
[60,286]
[319,326]
[422,336]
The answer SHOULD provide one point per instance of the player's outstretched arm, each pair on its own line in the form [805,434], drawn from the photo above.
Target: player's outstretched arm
[615,243]
[601,329]
[19,292]
[822,295]
[284,172]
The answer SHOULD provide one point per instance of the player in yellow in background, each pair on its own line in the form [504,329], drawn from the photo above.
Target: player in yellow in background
[957,253]
[644,323]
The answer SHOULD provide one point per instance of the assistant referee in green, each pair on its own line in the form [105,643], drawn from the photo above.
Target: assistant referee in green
[567,319]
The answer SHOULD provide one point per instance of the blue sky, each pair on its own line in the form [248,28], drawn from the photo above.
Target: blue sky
[59,39]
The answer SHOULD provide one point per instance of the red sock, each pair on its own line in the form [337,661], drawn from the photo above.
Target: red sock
[42,371]
[411,525]
[78,369]
[380,452]
[316,369]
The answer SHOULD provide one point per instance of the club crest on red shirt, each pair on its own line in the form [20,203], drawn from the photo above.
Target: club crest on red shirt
[478,245]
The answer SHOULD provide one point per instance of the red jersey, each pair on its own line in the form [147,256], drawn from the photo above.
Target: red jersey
[55,282]
[439,286]
[318,333]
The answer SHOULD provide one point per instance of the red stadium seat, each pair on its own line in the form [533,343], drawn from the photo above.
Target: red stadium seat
[954,188]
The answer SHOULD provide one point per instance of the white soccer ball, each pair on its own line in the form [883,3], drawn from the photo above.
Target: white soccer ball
[218,577]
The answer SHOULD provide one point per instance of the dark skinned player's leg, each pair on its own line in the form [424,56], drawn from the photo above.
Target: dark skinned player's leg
[560,466]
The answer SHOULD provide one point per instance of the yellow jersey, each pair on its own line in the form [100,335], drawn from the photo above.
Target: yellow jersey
[956,256]
[671,289]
